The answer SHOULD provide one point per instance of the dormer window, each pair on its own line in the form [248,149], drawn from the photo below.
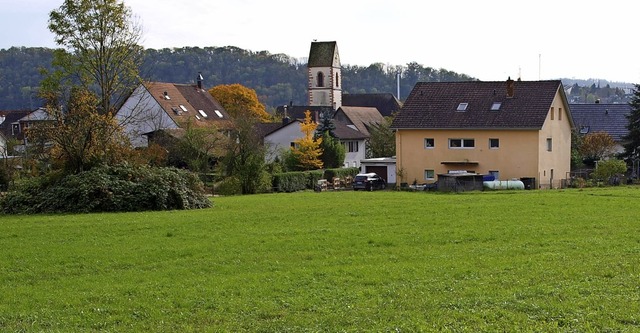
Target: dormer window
[496,106]
[462,107]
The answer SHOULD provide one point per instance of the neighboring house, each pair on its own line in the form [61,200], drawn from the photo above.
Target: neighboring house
[9,125]
[386,103]
[608,118]
[359,118]
[14,124]
[512,129]
[158,106]
[278,138]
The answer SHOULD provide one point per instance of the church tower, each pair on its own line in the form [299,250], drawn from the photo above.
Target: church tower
[325,78]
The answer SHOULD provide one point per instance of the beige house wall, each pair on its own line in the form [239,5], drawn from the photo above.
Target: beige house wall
[521,153]
[555,165]
[516,156]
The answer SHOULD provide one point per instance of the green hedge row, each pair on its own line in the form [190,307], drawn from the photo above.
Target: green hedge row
[340,173]
[301,180]
[108,189]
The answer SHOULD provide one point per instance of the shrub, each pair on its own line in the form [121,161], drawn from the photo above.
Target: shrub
[229,186]
[290,181]
[608,169]
[340,172]
[108,189]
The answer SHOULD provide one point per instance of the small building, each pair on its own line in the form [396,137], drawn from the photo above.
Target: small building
[460,182]
[385,167]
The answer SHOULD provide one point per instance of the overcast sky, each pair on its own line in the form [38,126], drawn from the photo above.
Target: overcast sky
[486,39]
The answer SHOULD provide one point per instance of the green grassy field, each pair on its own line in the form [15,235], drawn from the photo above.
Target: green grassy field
[528,261]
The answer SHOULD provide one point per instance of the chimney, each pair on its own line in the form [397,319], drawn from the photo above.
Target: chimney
[199,80]
[510,87]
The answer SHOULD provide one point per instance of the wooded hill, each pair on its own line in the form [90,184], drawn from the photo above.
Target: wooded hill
[277,78]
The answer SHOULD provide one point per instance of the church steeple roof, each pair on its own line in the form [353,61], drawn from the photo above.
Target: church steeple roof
[323,54]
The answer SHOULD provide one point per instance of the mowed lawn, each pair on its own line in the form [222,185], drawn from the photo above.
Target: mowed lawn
[525,261]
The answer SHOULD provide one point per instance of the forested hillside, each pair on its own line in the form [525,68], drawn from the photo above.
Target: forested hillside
[277,78]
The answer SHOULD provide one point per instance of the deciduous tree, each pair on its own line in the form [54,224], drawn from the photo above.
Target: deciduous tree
[597,146]
[76,138]
[240,101]
[100,50]
[307,149]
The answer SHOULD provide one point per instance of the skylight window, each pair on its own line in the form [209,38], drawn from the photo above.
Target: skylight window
[166,96]
[218,113]
[496,106]
[197,117]
[183,108]
[584,129]
[204,115]
[462,107]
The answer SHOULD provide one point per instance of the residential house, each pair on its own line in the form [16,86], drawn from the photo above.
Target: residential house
[14,124]
[359,118]
[280,137]
[607,118]
[509,129]
[9,123]
[158,106]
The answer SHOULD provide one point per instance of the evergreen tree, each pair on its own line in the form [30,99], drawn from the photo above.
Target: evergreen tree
[632,146]
[326,124]
[333,151]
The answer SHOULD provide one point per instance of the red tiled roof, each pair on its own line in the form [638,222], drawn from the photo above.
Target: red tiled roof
[188,103]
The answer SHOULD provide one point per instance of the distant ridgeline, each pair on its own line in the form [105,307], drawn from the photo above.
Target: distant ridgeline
[278,79]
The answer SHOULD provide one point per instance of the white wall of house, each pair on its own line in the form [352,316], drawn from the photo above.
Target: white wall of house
[3,146]
[141,114]
[280,140]
[353,155]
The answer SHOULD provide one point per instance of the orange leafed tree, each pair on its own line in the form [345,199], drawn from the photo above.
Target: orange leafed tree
[307,150]
[598,145]
[240,101]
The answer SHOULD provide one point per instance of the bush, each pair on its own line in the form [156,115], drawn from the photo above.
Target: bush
[340,172]
[608,169]
[107,189]
[229,186]
[290,181]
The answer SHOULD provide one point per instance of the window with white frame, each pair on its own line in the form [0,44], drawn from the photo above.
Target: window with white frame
[494,143]
[429,174]
[429,143]
[462,143]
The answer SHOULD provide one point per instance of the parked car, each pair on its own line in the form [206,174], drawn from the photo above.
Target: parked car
[368,181]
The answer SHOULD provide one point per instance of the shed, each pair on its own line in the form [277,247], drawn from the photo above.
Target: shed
[385,167]
[460,182]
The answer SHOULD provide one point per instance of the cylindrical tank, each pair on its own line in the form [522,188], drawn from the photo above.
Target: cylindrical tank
[504,185]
